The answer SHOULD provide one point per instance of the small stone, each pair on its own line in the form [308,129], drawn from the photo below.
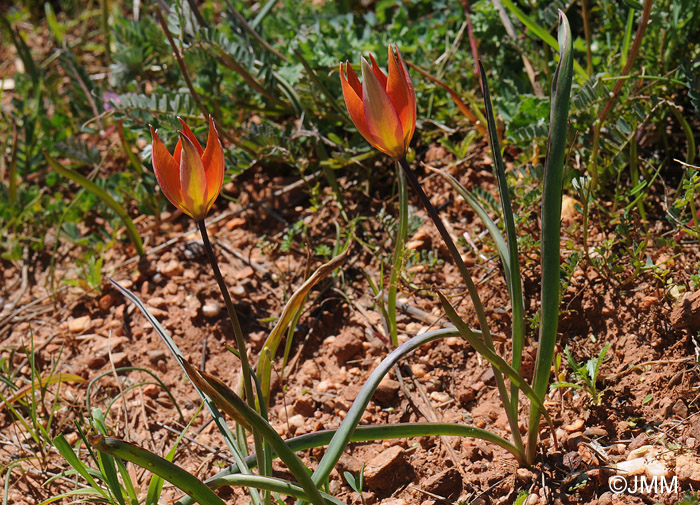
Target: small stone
[234,223]
[388,470]
[575,426]
[106,301]
[414,244]
[631,467]
[238,290]
[211,310]
[324,386]
[680,409]
[94,362]
[79,324]
[688,469]
[524,476]
[172,268]
[596,432]
[120,359]
[158,302]
[156,355]
[532,499]
[296,422]
[304,406]
[419,370]
[439,396]
[690,442]
[453,341]
[151,390]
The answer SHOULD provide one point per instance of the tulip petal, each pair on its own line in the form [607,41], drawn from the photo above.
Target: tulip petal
[352,92]
[352,79]
[378,72]
[400,90]
[382,120]
[193,180]
[188,133]
[167,171]
[213,162]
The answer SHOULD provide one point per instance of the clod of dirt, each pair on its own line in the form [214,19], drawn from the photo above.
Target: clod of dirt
[388,470]
[387,391]
[347,345]
[688,469]
[447,484]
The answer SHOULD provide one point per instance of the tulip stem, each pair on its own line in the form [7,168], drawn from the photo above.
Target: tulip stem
[512,414]
[237,332]
[397,267]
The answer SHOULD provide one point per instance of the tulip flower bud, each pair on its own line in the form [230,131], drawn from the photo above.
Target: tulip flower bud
[383,107]
[191,178]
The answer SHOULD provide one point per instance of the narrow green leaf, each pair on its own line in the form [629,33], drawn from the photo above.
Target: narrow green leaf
[512,267]
[499,363]
[374,433]
[183,480]
[66,451]
[175,351]
[551,224]
[224,398]
[540,32]
[344,434]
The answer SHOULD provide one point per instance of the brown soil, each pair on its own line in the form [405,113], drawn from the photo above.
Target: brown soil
[648,386]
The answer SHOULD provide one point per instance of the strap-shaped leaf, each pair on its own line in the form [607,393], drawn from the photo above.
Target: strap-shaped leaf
[175,351]
[234,405]
[347,428]
[178,477]
[551,223]
[499,363]
[512,266]
[264,368]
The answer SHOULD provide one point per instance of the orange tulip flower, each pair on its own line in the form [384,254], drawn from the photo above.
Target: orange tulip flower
[191,178]
[383,107]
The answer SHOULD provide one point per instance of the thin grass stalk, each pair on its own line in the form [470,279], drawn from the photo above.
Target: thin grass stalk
[471,287]
[512,268]
[551,227]
[631,58]
[237,332]
[587,34]
[397,267]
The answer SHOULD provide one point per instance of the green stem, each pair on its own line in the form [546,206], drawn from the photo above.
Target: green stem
[397,267]
[471,288]
[237,332]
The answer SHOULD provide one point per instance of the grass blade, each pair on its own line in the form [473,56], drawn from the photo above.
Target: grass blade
[105,197]
[539,31]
